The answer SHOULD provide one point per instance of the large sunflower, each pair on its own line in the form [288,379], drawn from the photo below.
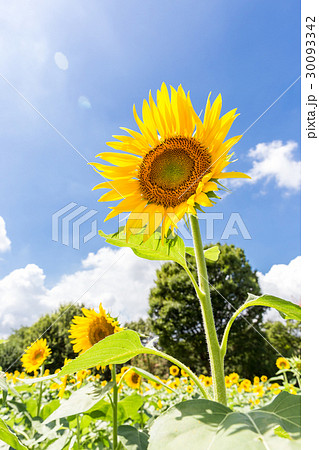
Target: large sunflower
[92,328]
[35,355]
[172,166]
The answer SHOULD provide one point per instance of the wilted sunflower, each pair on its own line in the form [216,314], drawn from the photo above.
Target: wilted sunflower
[35,355]
[87,331]
[172,166]
[133,379]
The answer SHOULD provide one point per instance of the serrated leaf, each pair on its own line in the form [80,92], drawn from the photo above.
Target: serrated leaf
[172,249]
[131,438]
[9,437]
[205,424]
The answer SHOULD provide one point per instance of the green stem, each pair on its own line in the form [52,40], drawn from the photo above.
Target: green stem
[40,394]
[115,398]
[214,351]
[78,431]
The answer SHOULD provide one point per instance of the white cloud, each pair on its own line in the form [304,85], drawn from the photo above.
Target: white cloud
[117,278]
[282,280]
[61,60]
[5,243]
[84,102]
[274,162]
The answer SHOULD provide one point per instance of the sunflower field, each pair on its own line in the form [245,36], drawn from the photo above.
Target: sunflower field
[76,411]
[163,174]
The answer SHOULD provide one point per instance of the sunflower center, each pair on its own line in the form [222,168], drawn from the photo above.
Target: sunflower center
[169,174]
[38,354]
[135,378]
[170,169]
[100,329]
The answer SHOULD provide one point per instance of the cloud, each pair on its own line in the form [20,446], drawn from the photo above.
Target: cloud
[282,280]
[117,278]
[5,243]
[275,162]
[61,61]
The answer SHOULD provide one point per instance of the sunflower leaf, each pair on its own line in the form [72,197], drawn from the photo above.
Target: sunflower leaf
[288,310]
[207,424]
[10,438]
[171,249]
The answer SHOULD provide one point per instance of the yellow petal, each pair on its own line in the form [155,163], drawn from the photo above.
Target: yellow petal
[119,159]
[233,175]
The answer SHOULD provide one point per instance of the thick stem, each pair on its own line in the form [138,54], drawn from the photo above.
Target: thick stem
[115,389]
[214,351]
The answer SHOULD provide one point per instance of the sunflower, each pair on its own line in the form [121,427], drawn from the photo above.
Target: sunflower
[282,363]
[189,389]
[174,370]
[35,355]
[234,377]
[184,373]
[207,381]
[256,381]
[87,331]
[228,381]
[263,378]
[172,166]
[133,379]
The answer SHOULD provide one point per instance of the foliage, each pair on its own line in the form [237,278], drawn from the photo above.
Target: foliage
[55,327]
[285,337]
[176,316]
[85,407]
[206,424]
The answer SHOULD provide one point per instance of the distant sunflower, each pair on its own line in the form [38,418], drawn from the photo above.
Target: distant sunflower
[174,370]
[133,379]
[172,166]
[87,331]
[282,363]
[35,355]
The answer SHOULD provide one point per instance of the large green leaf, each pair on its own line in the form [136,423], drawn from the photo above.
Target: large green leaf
[287,309]
[203,424]
[79,401]
[171,249]
[115,349]
[9,438]
[131,438]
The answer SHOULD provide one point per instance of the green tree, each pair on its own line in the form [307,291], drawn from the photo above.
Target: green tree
[284,337]
[176,316]
[53,327]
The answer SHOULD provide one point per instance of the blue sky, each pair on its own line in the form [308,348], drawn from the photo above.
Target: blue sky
[116,51]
